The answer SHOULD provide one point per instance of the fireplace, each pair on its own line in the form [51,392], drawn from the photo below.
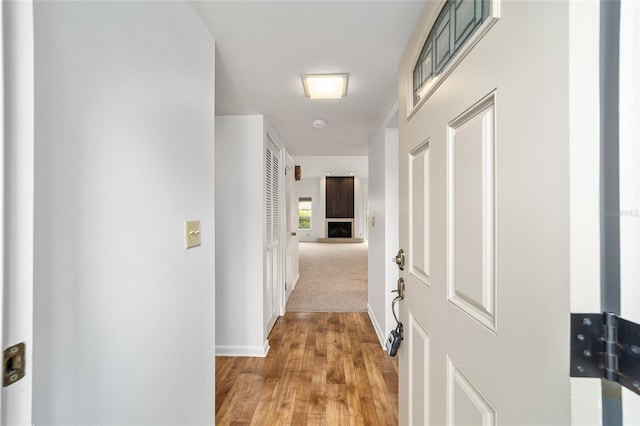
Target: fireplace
[339,229]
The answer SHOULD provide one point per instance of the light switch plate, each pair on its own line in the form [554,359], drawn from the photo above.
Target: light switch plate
[191,233]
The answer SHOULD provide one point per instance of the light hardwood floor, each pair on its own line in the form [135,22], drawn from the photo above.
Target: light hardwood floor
[322,369]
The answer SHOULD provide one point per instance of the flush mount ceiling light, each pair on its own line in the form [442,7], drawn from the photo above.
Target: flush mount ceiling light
[319,124]
[325,86]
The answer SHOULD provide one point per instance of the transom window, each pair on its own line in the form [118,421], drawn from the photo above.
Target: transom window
[457,21]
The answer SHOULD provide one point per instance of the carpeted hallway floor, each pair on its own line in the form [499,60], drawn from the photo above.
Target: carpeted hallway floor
[333,278]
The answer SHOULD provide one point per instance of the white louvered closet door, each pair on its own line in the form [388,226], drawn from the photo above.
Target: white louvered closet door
[272,231]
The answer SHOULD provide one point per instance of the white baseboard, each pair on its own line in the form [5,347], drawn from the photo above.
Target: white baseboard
[376,326]
[289,291]
[283,309]
[257,351]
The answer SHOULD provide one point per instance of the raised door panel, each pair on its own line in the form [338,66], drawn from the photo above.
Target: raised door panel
[466,404]
[418,254]
[471,259]
[418,373]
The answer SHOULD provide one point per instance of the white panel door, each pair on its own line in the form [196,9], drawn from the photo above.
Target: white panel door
[484,219]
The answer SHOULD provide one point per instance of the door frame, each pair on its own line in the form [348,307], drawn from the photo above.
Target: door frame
[584,187]
[629,181]
[17,191]
[4,206]
[290,226]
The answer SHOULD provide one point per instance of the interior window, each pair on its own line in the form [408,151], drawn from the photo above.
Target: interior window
[304,213]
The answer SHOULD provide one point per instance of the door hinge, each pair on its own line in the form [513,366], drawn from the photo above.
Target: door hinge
[14,364]
[606,346]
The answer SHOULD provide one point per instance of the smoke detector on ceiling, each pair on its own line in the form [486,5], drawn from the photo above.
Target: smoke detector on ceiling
[319,124]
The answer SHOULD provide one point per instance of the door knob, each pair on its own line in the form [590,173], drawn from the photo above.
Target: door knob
[396,299]
[400,289]
[399,259]
[293,234]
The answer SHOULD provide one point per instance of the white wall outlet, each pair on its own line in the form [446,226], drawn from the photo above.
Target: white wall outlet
[191,233]
[373,221]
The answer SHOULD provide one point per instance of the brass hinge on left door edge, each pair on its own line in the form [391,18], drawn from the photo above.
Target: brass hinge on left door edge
[606,346]
[14,364]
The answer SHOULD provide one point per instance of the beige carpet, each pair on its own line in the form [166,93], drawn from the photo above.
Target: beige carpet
[333,278]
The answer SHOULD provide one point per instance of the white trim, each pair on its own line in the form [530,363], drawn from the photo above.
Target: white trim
[283,310]
[584,184]
[629,214]
[255,351]
[376,326]
[18,200]
[3,204]
[467,46]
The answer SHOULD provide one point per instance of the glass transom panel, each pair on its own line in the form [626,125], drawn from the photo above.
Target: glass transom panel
[457,21]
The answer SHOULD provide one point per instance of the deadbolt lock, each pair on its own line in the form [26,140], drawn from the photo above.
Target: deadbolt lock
[399,259]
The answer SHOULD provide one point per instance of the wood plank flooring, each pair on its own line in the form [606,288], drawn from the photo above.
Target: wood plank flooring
[322,369]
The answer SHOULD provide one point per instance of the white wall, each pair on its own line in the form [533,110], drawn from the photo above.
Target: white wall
[391,224]
[310,187]
[240,231]
[318,166]
[242,301]
[383,237]
[124,315]
[361,209]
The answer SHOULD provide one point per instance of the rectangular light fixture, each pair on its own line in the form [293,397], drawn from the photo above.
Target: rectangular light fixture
[325,86]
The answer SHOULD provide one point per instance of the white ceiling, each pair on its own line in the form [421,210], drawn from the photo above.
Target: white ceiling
[318,166]
[262,47]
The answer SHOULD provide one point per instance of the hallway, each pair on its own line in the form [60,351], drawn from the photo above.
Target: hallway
[323,368]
